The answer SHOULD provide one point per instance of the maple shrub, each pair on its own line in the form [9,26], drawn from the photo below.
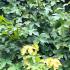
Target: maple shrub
[34,35]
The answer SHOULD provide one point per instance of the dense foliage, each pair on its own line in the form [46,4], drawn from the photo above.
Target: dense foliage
[45,23]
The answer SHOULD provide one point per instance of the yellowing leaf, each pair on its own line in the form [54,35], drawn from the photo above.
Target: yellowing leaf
[29,49]
[53,62]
